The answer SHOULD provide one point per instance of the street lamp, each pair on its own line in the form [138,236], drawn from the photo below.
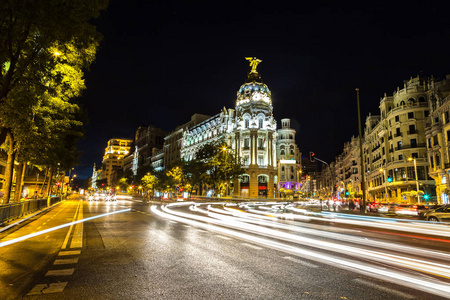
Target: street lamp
[417,181]
[225,156]
[385,183]
[361,154]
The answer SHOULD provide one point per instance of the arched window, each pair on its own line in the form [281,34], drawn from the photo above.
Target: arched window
[422,99]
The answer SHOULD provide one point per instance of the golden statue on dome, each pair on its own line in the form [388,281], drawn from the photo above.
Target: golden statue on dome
[254,62]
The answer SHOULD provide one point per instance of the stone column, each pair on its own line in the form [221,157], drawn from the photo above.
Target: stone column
[252,147]
[269,149]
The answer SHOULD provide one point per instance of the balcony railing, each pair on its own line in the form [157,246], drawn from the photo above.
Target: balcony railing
[397,134]
[403,147]
[412,131]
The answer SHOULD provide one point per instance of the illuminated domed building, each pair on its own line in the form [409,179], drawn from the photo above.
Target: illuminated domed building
[250,131]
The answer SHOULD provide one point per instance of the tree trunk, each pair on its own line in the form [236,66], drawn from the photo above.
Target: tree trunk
[49,185]
[20,173]
[9,167]
[41,192]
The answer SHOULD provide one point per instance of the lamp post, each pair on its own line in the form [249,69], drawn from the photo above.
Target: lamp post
[363,185]
[417,181]
[224,151]
[385,183]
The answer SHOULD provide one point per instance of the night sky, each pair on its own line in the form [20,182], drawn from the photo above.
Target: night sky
[162,61]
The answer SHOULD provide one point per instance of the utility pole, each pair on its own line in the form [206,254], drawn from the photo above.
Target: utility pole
[361,154]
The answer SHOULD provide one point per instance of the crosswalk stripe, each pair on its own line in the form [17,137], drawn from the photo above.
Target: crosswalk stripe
[66,261]
[61,272]
[47,288]
[70,252]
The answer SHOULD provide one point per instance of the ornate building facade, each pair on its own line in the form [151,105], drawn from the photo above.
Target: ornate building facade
[438,136]
[395,149]
[289,159]
[250,130]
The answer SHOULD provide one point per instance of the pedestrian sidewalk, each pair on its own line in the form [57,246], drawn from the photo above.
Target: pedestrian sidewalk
[15,222]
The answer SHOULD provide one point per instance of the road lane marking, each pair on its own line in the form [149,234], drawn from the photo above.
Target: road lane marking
[384,289]
[301,262]
[16,240]
[223,237]
[187,226]
[61,272]
[66,240]
[47,288]
[66,261]
[71,252]
[77,238]
[252,246]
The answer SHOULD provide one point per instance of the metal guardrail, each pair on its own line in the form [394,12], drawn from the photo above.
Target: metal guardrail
[17,209]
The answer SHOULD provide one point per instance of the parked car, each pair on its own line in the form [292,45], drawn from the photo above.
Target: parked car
[441,214]
[429,208]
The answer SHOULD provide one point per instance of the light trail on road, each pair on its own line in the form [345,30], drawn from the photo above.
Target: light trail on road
[31,235]
[407,271]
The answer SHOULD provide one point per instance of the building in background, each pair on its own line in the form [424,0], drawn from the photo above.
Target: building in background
[288,160]
[146,139]
[395,149]
[173,142]
[249,130]
[348,171]
[115,151]
[438,136]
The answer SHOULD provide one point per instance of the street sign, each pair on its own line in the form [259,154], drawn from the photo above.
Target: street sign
[404,197]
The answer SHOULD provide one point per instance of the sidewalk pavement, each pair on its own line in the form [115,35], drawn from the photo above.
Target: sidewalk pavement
[19,220]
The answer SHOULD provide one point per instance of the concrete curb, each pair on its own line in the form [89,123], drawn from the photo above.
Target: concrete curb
[27,218]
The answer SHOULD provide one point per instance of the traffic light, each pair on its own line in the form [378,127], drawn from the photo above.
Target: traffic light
[426,197]
[347,193]
[312,156]
[389,179]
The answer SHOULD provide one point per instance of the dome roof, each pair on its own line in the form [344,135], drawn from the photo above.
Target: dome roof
[253,87]
[253,91]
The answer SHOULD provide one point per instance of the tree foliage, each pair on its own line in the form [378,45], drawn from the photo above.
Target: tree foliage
[44,47]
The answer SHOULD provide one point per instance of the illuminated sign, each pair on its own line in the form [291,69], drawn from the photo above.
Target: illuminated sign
[285,161]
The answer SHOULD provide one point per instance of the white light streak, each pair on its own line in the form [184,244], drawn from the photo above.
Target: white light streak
[25,237]
[429,285]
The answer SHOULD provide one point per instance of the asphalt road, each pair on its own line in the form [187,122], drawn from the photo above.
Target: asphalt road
[131,250]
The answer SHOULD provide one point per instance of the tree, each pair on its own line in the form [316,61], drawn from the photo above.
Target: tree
[123,183]
[215,165]
[225,167]
[148,182]
[44,46]
[176,175]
